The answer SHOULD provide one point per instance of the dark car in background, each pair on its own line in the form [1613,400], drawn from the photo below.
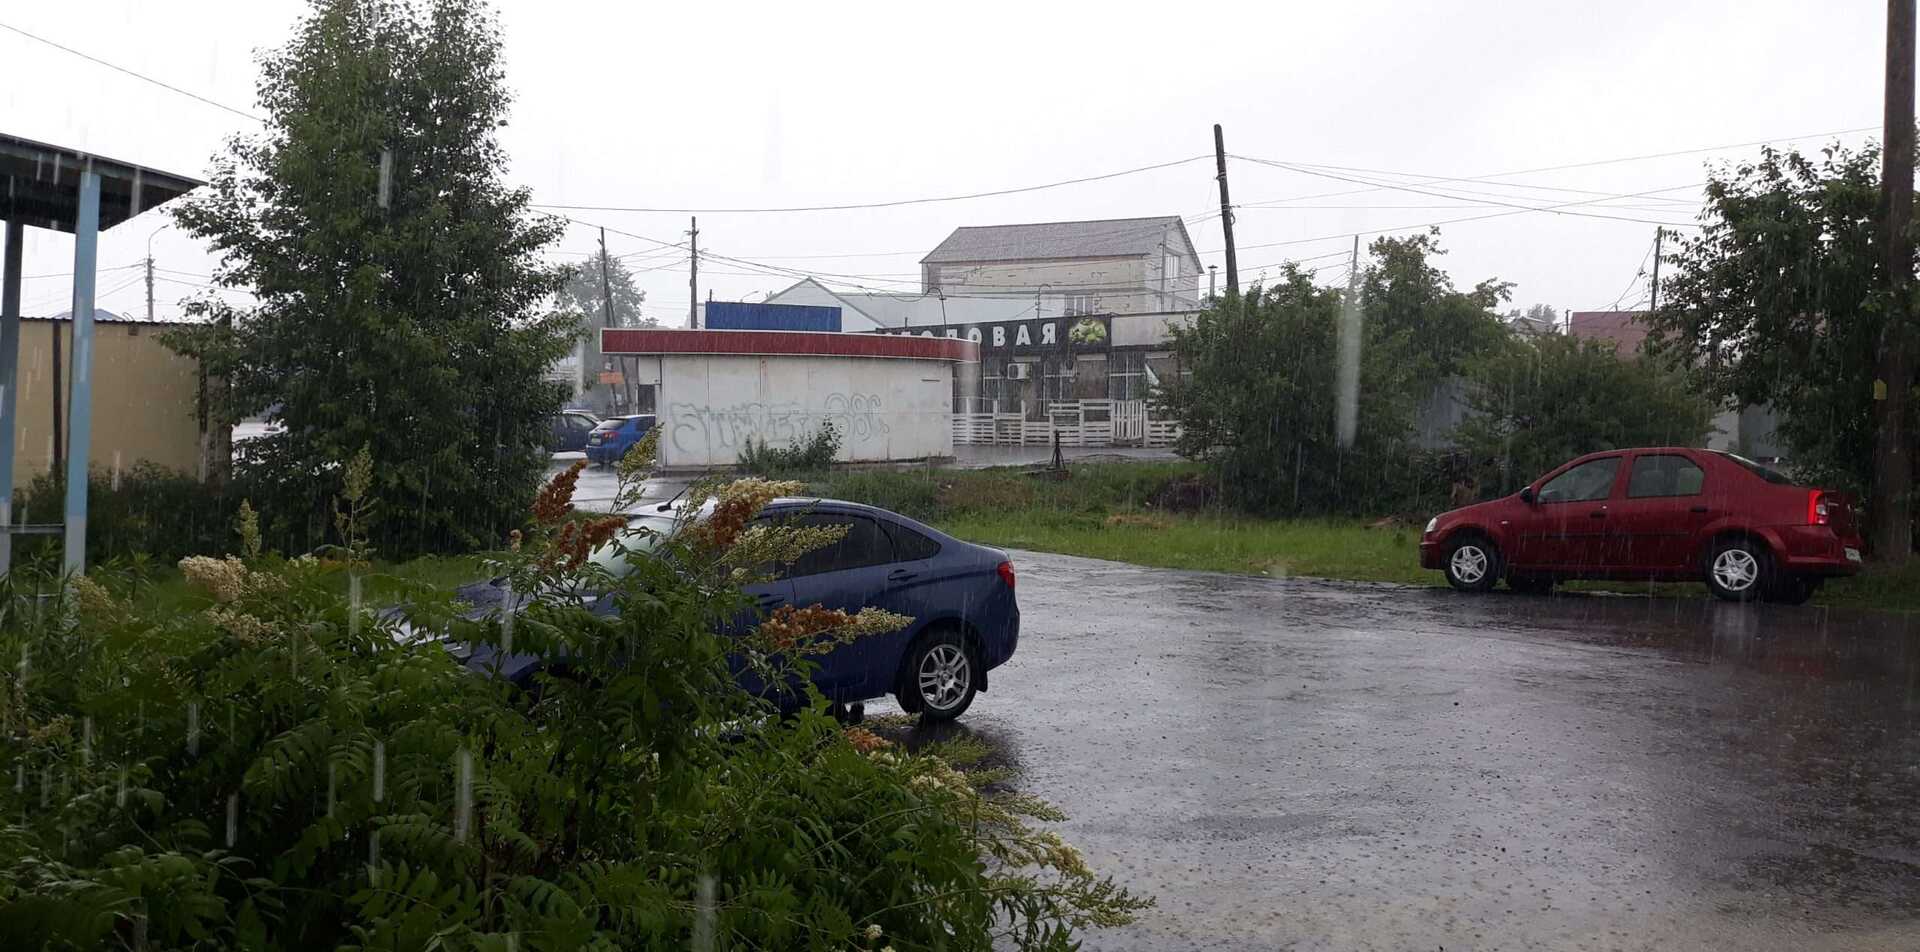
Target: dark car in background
[1658,513]
[570,429]
[614,436]
[966,620]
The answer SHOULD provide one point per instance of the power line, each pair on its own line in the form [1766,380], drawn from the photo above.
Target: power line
[139,76]
[69,274]
[1555,209]
[1638,273]
[863,205]
[1589,164]
[1425,179]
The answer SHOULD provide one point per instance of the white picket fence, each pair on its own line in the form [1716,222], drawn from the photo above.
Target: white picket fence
[1079,423]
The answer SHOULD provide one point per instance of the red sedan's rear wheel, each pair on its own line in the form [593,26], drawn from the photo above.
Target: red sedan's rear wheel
[1739,570]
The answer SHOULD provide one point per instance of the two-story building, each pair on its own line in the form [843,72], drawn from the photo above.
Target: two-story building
[1115,266]
[1072,319]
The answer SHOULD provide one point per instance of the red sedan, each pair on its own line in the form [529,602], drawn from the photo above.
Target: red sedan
[1668,513]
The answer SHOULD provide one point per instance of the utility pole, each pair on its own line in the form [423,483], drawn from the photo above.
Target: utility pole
[1213,280]
[1891,503]
[606,287]
[1346,399]
[149,288]
[607,319]
[693,280]
[1653,297]
[1226,210]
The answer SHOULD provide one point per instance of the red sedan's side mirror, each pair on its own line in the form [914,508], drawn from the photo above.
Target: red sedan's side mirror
[1526,495]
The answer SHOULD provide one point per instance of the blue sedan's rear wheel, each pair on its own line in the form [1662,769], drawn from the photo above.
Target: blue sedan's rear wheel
[941,674]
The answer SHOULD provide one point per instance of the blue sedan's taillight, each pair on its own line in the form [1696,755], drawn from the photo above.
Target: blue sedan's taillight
[1006,573]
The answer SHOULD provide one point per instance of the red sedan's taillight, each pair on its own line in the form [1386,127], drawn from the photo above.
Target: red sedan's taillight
[1817,512]
[1006,573]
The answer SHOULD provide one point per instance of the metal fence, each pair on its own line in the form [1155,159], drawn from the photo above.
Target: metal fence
[1079,423]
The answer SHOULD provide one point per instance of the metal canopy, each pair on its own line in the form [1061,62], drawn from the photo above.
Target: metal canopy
[66,190]
[40,185]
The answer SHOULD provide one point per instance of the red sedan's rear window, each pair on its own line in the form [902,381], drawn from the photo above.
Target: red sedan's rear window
[1770,475]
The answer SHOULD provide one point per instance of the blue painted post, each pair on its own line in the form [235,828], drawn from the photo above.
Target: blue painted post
[9,382]
[86,236]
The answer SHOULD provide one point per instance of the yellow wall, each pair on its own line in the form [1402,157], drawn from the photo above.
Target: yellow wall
[142,399]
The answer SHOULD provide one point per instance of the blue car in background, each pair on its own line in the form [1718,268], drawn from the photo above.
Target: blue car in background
[615,436]
[960,596]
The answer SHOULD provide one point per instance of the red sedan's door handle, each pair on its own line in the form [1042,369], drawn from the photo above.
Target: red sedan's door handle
[901,575]
[1597,514]
[1698,509]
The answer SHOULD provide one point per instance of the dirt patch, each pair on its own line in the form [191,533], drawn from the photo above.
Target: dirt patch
[1185,494]
[987,493]
[1137,520]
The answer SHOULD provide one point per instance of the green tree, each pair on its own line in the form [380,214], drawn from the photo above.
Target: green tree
[1260,404]
[1778,300]
[584,296]
[1413,303]
[1540,402]
[397,279]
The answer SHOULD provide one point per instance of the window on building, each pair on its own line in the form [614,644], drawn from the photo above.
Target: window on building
[998,392]
[1127,376]
[1077,305]
[1056,380]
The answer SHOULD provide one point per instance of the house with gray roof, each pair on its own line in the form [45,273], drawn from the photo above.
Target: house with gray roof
[1108,267]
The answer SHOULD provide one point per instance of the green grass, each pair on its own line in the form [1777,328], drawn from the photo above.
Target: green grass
[384,583]
[1105,511]
[1212,543]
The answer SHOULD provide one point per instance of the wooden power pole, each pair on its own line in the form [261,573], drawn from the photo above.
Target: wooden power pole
[1891,503]
[693,280]
[1653,295]
[1347,371]
[1226,210]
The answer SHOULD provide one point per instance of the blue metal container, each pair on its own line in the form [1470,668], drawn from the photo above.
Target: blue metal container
[741,316]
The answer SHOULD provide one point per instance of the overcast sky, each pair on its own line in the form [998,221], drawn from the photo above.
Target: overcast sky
[749,105]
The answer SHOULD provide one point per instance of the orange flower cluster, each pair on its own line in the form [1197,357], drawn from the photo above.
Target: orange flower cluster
[555,500]
[865,741]
[578,538]
[789,626]
[730,516]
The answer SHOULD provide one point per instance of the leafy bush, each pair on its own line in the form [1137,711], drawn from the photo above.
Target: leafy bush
[277,766]
[147,510]
[1261,405]
[816,453]
[1539,403]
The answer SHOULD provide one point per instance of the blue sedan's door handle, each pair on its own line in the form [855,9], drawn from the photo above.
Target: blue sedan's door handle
[771,601]
[901,575]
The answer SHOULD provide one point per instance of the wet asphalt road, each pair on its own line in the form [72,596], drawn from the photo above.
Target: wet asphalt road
[1294,764]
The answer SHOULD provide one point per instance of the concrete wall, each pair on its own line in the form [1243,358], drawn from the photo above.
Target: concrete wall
[884,408]
[1128,285]
[143,397]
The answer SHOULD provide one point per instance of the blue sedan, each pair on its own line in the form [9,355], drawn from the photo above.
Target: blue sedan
[960,596]
[615,436]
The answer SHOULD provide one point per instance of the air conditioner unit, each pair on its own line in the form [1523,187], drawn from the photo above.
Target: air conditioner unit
[1019,371]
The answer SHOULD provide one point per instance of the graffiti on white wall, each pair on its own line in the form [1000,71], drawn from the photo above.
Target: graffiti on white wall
[694,428]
